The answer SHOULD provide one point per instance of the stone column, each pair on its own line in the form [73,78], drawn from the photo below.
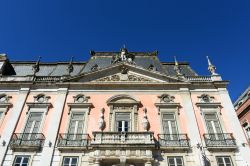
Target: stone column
[12,122]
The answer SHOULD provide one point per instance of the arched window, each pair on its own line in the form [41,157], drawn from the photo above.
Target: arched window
[123,113]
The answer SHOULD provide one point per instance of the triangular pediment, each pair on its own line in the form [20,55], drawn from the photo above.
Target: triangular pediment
[123,72]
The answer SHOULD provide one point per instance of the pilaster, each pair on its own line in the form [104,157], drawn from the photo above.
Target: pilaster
[49,145]
[193,131]
[12,122]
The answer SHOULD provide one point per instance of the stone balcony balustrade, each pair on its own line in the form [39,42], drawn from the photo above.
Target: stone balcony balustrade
[73,141]
[123,139]
[219,141]
[27,141]
[173,141]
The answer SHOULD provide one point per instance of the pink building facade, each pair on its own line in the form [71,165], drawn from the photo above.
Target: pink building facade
[117,109]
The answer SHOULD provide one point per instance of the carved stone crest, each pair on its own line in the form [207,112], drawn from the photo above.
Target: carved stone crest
[166,98]
[41,98]
[4,98]
[81,98]
[206,98]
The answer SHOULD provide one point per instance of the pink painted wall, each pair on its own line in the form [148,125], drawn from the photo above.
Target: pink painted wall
[47,117]
[5,118]
[99,102]
[200,120]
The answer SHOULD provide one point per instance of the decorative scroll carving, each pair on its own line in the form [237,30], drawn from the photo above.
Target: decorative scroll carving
[166,98]
[81,98]
[128,77]
[41,98]
[205,98]
[4,98]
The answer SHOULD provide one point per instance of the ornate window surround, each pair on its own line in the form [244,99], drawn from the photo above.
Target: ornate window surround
[4,104]
[210,107]
[82,105]
[123,100]
[38,106]
[40,103]
[168,106]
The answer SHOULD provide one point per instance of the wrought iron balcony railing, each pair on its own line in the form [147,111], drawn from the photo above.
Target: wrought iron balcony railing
[219,140]
[173,140]
[27,141]
[123,139]
[73,140]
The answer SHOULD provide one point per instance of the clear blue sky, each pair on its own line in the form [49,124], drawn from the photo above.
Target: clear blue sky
[188,29]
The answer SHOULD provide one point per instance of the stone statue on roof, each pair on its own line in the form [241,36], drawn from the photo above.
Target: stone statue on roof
[124,56]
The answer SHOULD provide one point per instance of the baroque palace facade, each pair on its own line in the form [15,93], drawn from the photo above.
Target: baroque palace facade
[117,109]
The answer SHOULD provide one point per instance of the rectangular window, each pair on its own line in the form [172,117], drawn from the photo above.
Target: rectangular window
[169,126]
[175,161]
[224,161]
[33,123]
[213,126]
[212,122]
[21,161]
[76,123]
[70,161]
[122,122]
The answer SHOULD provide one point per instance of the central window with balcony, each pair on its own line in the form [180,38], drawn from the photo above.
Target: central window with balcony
[123,125]
[122,122]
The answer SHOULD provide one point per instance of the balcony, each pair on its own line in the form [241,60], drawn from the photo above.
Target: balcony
[27,141]
[222,141]
[73,141]
[173,141]
[123,139]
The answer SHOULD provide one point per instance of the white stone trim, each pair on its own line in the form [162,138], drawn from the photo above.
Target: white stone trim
[31,154]
[86,118]
[79,155]
[44,113]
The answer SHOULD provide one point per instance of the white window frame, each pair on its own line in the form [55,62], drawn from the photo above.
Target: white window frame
[81,108]
[22,158]
[213,107]
[170,111]
[175,156]
[63,155]
[31,155]
[223,156]
[123,122]
[35,110]
[70,159]
[123,101]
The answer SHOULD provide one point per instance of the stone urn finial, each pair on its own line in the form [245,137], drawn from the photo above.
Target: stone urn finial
[145,122]
[101,122]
